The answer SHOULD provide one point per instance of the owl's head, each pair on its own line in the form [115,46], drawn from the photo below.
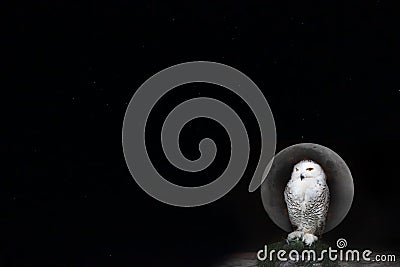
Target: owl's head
[307,169]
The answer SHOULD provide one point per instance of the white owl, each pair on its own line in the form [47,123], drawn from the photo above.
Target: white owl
[307,200]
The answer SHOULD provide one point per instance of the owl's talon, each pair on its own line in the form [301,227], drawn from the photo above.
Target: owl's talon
[296,235]
[309,239]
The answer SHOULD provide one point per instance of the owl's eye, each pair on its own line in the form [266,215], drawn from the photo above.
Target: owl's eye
[297,169]
[310,169]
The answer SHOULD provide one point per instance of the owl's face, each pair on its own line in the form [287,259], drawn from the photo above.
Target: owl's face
[307,169]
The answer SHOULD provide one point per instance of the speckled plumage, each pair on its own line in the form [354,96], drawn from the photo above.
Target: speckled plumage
[307,200]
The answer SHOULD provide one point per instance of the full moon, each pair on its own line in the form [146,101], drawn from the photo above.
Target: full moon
[339,179]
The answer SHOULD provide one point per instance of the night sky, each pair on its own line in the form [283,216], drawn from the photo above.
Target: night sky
[329,70]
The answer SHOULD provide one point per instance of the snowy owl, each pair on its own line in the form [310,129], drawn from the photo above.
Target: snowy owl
[307,200]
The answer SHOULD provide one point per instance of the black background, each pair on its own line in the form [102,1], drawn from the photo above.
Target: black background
[329,70]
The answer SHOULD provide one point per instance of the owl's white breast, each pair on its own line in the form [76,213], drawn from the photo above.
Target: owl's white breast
[306,189]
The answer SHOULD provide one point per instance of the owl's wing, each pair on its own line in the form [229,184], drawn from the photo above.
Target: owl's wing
[293,208]
[321,209]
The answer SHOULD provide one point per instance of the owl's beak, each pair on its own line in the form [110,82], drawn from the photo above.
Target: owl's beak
[302,176]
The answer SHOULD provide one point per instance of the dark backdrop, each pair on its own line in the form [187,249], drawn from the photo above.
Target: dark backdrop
[329,70]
